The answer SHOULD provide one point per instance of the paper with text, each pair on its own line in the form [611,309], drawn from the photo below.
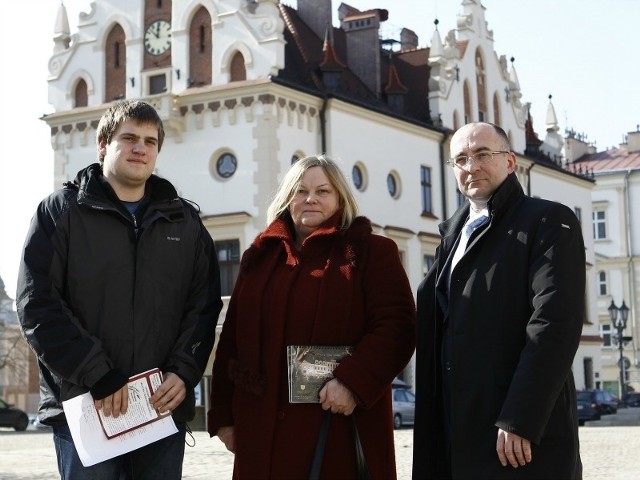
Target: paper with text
[90,439]
[139,411]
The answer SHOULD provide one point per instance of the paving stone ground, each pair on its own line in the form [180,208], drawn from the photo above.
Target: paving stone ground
[609,448]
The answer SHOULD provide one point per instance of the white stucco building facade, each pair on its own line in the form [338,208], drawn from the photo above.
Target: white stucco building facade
[280,86]
[616,234]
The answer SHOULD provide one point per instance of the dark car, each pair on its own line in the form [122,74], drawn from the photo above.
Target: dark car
[633,399]
[587,410]
[603,401]
[404,407]
[13,417]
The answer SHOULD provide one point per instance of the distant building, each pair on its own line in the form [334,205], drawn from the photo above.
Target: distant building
[616,234]
[246,88]
[14,356]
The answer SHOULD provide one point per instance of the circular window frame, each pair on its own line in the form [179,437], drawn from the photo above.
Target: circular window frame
[364,177]
[297,155]
[393,175]
[215,165]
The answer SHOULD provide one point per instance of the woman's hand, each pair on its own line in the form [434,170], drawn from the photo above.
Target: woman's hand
[227,436]
[335,396]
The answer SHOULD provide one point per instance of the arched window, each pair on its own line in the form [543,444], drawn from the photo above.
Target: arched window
[496,109]
[200,49]
[467,102]
[115,65]
[237,69]
[80,94]
[481,87]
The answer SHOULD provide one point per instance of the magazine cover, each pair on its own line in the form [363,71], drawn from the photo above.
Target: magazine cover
[310,367]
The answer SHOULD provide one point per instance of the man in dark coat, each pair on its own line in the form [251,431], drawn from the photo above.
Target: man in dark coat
[500,315]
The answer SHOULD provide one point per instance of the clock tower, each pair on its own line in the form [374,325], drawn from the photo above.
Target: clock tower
[157,42]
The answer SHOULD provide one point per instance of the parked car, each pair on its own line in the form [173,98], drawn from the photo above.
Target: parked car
[34,421]
[587,409]
[13,417]
[633,399]
[605,402]
[399,383]
[404,407]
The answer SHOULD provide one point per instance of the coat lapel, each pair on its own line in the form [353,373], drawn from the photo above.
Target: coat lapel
[449,231]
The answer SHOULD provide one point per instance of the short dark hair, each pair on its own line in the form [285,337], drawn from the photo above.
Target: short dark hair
[137,110]
[503,135]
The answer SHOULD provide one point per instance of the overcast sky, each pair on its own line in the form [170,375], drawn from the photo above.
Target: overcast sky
[583,52]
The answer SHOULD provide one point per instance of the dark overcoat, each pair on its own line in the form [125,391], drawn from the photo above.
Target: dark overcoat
[516,309]
[342,288]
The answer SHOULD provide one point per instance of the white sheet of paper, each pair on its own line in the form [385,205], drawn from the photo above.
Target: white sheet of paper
[92,444]
[140,411]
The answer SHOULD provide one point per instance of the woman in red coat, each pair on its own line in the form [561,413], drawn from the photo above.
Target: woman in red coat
[316,276]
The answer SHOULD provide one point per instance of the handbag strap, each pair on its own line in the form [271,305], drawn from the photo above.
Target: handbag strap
[318,454]
[363,470]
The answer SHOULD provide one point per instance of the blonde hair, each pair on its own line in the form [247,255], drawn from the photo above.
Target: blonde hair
[279,207]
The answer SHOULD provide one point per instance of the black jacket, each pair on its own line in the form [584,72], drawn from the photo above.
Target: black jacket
[102,296]
[511,330]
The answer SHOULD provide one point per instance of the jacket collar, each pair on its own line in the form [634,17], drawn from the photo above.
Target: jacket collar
[281,231]
[95,191]
[506,195]
[92,185]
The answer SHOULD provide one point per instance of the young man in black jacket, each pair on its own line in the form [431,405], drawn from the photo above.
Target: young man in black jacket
[118,276]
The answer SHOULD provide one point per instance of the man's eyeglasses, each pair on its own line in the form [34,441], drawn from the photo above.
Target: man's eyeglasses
[461,161]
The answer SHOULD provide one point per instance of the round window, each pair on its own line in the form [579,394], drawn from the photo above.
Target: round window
[356,175]
[226,165]
[392,185]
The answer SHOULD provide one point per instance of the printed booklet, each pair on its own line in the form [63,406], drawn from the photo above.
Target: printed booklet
[310,367]
[139,410]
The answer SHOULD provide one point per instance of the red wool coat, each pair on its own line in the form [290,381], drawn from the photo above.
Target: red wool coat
[341,288]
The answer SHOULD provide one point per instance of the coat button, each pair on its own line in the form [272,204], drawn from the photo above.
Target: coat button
[280,415]
[447,365]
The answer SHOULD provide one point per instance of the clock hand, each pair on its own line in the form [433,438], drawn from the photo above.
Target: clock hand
[157,30]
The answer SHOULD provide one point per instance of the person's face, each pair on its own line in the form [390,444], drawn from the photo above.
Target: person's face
[315,201]
[478,180]
[130,158]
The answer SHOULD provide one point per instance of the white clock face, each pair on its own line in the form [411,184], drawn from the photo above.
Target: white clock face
[157,38]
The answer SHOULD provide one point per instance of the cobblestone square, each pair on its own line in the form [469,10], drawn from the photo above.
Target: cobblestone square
[608,449]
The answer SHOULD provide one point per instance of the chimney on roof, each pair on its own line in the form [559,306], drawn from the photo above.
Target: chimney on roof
[316,14]
[633,142]
[408,40]
[575,147]
[362,30]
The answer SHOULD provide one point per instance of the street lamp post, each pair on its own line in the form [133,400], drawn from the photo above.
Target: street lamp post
[619,317]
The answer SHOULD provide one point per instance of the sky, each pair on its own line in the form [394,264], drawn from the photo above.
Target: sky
[582,52]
